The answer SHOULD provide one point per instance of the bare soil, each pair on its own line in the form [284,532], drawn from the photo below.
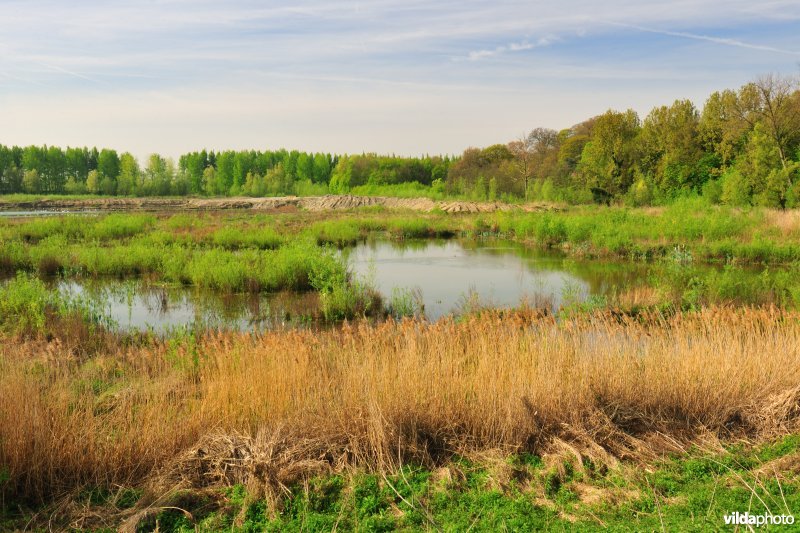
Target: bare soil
[277,204]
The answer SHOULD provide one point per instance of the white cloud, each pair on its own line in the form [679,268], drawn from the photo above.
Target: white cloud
[511,47]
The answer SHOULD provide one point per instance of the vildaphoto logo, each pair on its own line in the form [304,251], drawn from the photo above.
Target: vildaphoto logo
[746,519]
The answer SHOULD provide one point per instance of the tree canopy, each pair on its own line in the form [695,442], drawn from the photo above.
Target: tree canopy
[742,147]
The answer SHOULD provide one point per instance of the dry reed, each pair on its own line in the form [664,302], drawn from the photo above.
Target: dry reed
[268,410]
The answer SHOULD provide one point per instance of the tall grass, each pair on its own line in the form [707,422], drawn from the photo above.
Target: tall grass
[624,231]
[340,233]
[83,227]
[263,238]
[299,403]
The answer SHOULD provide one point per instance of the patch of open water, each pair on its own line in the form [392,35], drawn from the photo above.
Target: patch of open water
[445,276]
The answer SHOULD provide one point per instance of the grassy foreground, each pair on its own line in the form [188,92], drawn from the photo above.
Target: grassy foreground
[514,420]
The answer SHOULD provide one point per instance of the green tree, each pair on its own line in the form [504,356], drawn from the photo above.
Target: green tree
[722,130]
[671,148]
[735,188]
[210,181]
[108,163]
[129,175]
[341,176]
[761,156]
[774,102]
[93,182]
[608,160]
[74,186]
[30,181]
[77,163]
[226,162]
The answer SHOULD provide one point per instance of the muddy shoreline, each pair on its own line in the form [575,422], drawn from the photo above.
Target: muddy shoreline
[277,204]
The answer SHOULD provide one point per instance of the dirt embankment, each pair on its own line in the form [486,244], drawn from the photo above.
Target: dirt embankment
[284,203]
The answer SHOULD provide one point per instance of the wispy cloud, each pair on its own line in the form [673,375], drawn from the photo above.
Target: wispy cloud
[711,39]
[510,47]
[452,73]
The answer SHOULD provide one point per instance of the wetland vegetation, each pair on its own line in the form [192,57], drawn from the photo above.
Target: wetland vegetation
[663,390]
[622,355]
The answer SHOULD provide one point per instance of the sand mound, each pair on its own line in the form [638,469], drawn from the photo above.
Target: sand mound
[278,204]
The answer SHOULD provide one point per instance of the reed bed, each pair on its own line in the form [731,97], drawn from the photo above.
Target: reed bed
[270,410]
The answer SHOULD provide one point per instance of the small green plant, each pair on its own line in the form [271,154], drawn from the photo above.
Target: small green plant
[406,303]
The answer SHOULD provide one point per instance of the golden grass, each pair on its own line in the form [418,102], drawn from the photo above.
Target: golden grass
[269,410]
[787,221]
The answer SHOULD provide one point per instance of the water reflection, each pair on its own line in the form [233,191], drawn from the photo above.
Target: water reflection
[497,273]
[137,305]
[447,275]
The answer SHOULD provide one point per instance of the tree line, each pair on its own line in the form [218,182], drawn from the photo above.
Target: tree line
[742,147]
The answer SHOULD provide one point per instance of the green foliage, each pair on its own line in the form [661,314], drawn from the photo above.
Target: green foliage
[405,303]
[23,304]
[607,161]
[751,136]
[712,191]
[263,238]
[340,233]
[640,193]
[417,228]
[412,189]
[78,228]
[29,307]
[340,301]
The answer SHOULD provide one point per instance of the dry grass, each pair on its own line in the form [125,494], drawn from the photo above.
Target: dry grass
[638,296]
[267,411]
[787,221]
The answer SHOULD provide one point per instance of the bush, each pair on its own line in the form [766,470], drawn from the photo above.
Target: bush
[712,191]
[736,189]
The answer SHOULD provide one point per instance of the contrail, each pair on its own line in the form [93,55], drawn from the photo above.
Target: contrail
[710,39]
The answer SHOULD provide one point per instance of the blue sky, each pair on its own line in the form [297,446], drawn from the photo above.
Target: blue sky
[406,77]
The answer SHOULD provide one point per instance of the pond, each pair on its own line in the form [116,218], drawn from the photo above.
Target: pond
[446,276]
[141,306]
[451,275]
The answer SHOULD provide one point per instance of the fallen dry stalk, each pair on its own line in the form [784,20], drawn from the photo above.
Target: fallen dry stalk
[269,410]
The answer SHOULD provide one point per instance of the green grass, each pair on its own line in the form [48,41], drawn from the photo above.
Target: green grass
[21,197]
[345,232]
[419,228]
[688,492]
[631,232]
[404,190]
[28,307]
[709,232]
[83,227]
[263,238]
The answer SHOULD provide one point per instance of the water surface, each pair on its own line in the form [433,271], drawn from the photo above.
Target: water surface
[450,275]
[445,276]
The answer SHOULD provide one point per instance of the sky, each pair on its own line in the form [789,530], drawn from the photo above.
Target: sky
[407,77]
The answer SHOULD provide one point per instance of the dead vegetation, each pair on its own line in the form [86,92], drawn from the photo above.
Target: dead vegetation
[269,411]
